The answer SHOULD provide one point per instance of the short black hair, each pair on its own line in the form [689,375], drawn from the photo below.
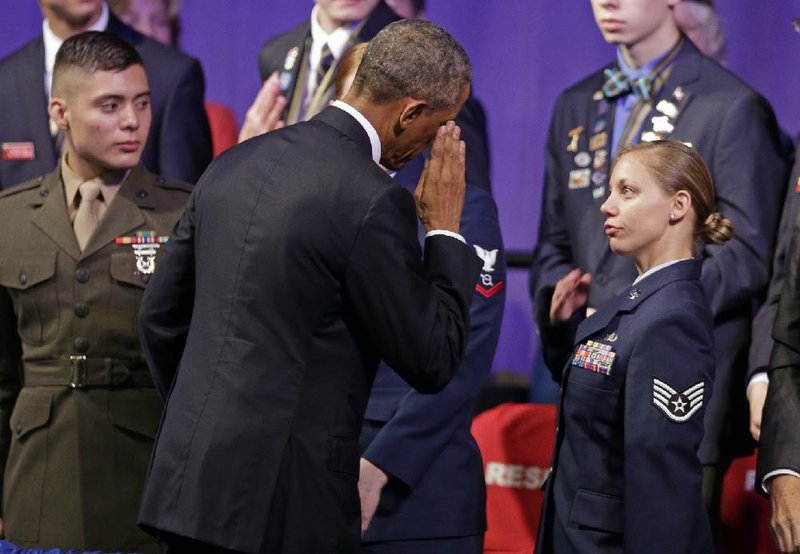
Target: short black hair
[93,51]
[414,59]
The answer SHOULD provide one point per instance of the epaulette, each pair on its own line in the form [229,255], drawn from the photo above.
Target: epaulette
[171,184]
[27,185]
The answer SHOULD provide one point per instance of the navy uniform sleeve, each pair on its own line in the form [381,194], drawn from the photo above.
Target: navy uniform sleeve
[663,509]
[417,315]
[185,141]
[779,447]
[397,448]
[168,301]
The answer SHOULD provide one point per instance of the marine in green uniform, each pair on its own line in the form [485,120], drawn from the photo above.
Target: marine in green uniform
[78,411]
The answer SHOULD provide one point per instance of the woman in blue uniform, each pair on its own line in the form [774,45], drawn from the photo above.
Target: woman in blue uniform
[638,372]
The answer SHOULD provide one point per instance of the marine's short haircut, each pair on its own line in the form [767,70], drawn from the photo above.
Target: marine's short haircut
[413,59]
[94,51]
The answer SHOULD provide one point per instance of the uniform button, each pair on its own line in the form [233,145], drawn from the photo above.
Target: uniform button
[145,278]
[81,310]
[23,277]
[43,192]
[19,428]
[81,345]
[142,193]
[82,275]
[602,279]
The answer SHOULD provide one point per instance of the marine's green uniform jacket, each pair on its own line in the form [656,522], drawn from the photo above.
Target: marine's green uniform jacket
[78,411]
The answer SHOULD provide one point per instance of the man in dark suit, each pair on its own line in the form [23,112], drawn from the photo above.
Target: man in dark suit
[299,256]
[662,87]
[179,144]
[78,410]
[306,77]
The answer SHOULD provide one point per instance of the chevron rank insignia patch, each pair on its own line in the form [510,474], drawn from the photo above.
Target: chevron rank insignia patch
[678,406]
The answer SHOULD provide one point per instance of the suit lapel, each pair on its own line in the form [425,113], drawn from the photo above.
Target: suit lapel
[123,214]
[33,101]
[673,97]
[52,218]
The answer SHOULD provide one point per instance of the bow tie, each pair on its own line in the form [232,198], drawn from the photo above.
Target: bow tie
[617,84]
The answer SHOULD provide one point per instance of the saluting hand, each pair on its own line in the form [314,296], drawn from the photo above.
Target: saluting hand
[572,292]
[265,113]
[440,192]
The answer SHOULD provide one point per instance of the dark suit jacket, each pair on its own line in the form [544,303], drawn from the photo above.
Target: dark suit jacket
[294,270]
[762,344]
[626,476]
[75,459]
[471,118]
[179,143]
[423,441]
[779,447]
[735,131]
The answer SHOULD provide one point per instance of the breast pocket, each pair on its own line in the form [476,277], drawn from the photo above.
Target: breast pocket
[129,284]
[30,280]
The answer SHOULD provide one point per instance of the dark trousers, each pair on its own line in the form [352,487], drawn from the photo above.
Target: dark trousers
[472,544]
[175,544]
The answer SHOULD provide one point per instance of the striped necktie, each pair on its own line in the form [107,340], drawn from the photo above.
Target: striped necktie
[325,62]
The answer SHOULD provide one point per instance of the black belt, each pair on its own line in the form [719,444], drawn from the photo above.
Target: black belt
[79,372]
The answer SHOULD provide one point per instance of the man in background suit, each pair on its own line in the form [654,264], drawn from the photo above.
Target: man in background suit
[78,410]
[179,143]
[292,64]
[300,257]
[661,86]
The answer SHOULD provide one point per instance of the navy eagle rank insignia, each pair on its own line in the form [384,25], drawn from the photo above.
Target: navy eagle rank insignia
[678,406]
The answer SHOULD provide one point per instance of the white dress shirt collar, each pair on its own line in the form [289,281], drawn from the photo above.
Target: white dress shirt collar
[374,139]
[52,43]
[657,268]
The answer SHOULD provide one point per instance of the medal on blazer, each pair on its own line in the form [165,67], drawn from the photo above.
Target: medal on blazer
[285,77]
[574,135]
[145,247]
[595,356]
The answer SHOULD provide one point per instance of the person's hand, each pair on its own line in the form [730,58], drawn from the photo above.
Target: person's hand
[572,292]
[440,192]
[265,113]
[784,500]
[371,480]
[756,394]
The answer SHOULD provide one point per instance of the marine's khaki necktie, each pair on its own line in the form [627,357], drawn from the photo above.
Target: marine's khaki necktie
[88,214]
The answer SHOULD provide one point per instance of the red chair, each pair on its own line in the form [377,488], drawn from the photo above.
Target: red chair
[224,132]
[516,442]
[745,513]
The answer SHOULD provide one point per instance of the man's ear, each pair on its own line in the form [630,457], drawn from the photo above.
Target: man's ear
[411,111]
[59,112]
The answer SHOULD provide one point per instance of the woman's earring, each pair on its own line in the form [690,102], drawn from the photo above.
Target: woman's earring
[672,216]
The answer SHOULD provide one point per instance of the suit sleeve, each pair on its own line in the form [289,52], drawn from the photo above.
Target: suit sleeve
[779,447]
[185,141]
[167,305]
[749,170]
[423,424]
[552,257]
[662,470]
[416,312]
[762,344]
[10,372]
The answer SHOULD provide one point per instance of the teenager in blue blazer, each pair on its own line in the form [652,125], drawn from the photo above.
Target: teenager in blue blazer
[626,474]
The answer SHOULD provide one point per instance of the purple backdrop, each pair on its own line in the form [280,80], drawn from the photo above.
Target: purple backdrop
[524,52]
